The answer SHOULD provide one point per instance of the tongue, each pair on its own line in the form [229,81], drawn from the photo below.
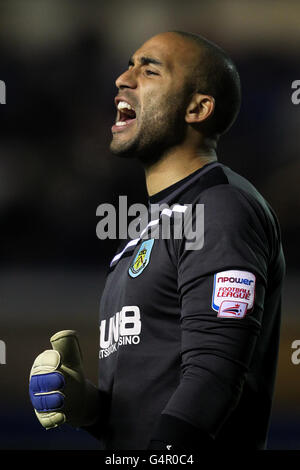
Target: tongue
[128,115]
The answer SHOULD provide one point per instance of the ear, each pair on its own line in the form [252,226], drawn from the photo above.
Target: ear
[200,108]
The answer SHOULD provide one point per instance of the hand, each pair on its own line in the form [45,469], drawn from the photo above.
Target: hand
[58,389]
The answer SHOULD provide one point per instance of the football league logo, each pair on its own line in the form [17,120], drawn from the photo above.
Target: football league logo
[231,309]
[233,293]
[141,259]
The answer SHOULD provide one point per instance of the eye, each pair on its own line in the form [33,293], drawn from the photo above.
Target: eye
[150,72]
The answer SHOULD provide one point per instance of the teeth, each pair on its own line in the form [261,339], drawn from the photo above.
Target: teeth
[121,123]
[123,104]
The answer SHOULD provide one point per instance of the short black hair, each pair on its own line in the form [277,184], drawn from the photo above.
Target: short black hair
[216,75]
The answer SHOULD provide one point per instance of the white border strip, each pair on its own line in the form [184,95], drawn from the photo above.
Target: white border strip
[168,212]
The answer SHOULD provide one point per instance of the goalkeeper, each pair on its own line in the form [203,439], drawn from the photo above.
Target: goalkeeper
[189,338]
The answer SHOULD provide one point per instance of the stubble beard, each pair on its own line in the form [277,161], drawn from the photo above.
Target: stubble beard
[157,133]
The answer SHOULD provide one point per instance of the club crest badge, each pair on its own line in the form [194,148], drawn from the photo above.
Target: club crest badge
[141,259]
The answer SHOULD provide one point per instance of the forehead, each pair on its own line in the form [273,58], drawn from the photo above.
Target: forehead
[171,49]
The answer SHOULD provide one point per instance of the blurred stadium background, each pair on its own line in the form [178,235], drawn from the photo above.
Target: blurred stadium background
[59,60]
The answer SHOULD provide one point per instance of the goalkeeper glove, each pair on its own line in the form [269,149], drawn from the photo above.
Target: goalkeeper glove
[58,389]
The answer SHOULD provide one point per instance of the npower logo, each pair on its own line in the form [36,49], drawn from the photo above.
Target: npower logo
[237,280]
[121,329]
[2,92]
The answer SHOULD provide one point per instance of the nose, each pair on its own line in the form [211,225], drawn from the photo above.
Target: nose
[126,80]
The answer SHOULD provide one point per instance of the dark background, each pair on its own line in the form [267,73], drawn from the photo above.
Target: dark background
[59,60]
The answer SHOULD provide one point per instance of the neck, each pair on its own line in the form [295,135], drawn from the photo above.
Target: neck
[175,166]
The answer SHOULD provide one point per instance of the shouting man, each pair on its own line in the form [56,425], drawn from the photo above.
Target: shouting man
[188,337]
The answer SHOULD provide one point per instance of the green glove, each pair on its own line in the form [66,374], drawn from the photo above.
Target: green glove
[58,389]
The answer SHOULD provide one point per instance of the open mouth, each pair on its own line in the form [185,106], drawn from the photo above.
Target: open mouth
[125,116]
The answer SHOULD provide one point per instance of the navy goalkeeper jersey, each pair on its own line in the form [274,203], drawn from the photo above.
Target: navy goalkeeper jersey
[189,334]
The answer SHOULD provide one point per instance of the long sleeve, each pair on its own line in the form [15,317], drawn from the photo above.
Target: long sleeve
[222,289]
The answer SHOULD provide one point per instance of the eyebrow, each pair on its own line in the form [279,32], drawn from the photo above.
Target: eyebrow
[146,61]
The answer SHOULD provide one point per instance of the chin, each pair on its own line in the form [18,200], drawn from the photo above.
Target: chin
[121,150]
